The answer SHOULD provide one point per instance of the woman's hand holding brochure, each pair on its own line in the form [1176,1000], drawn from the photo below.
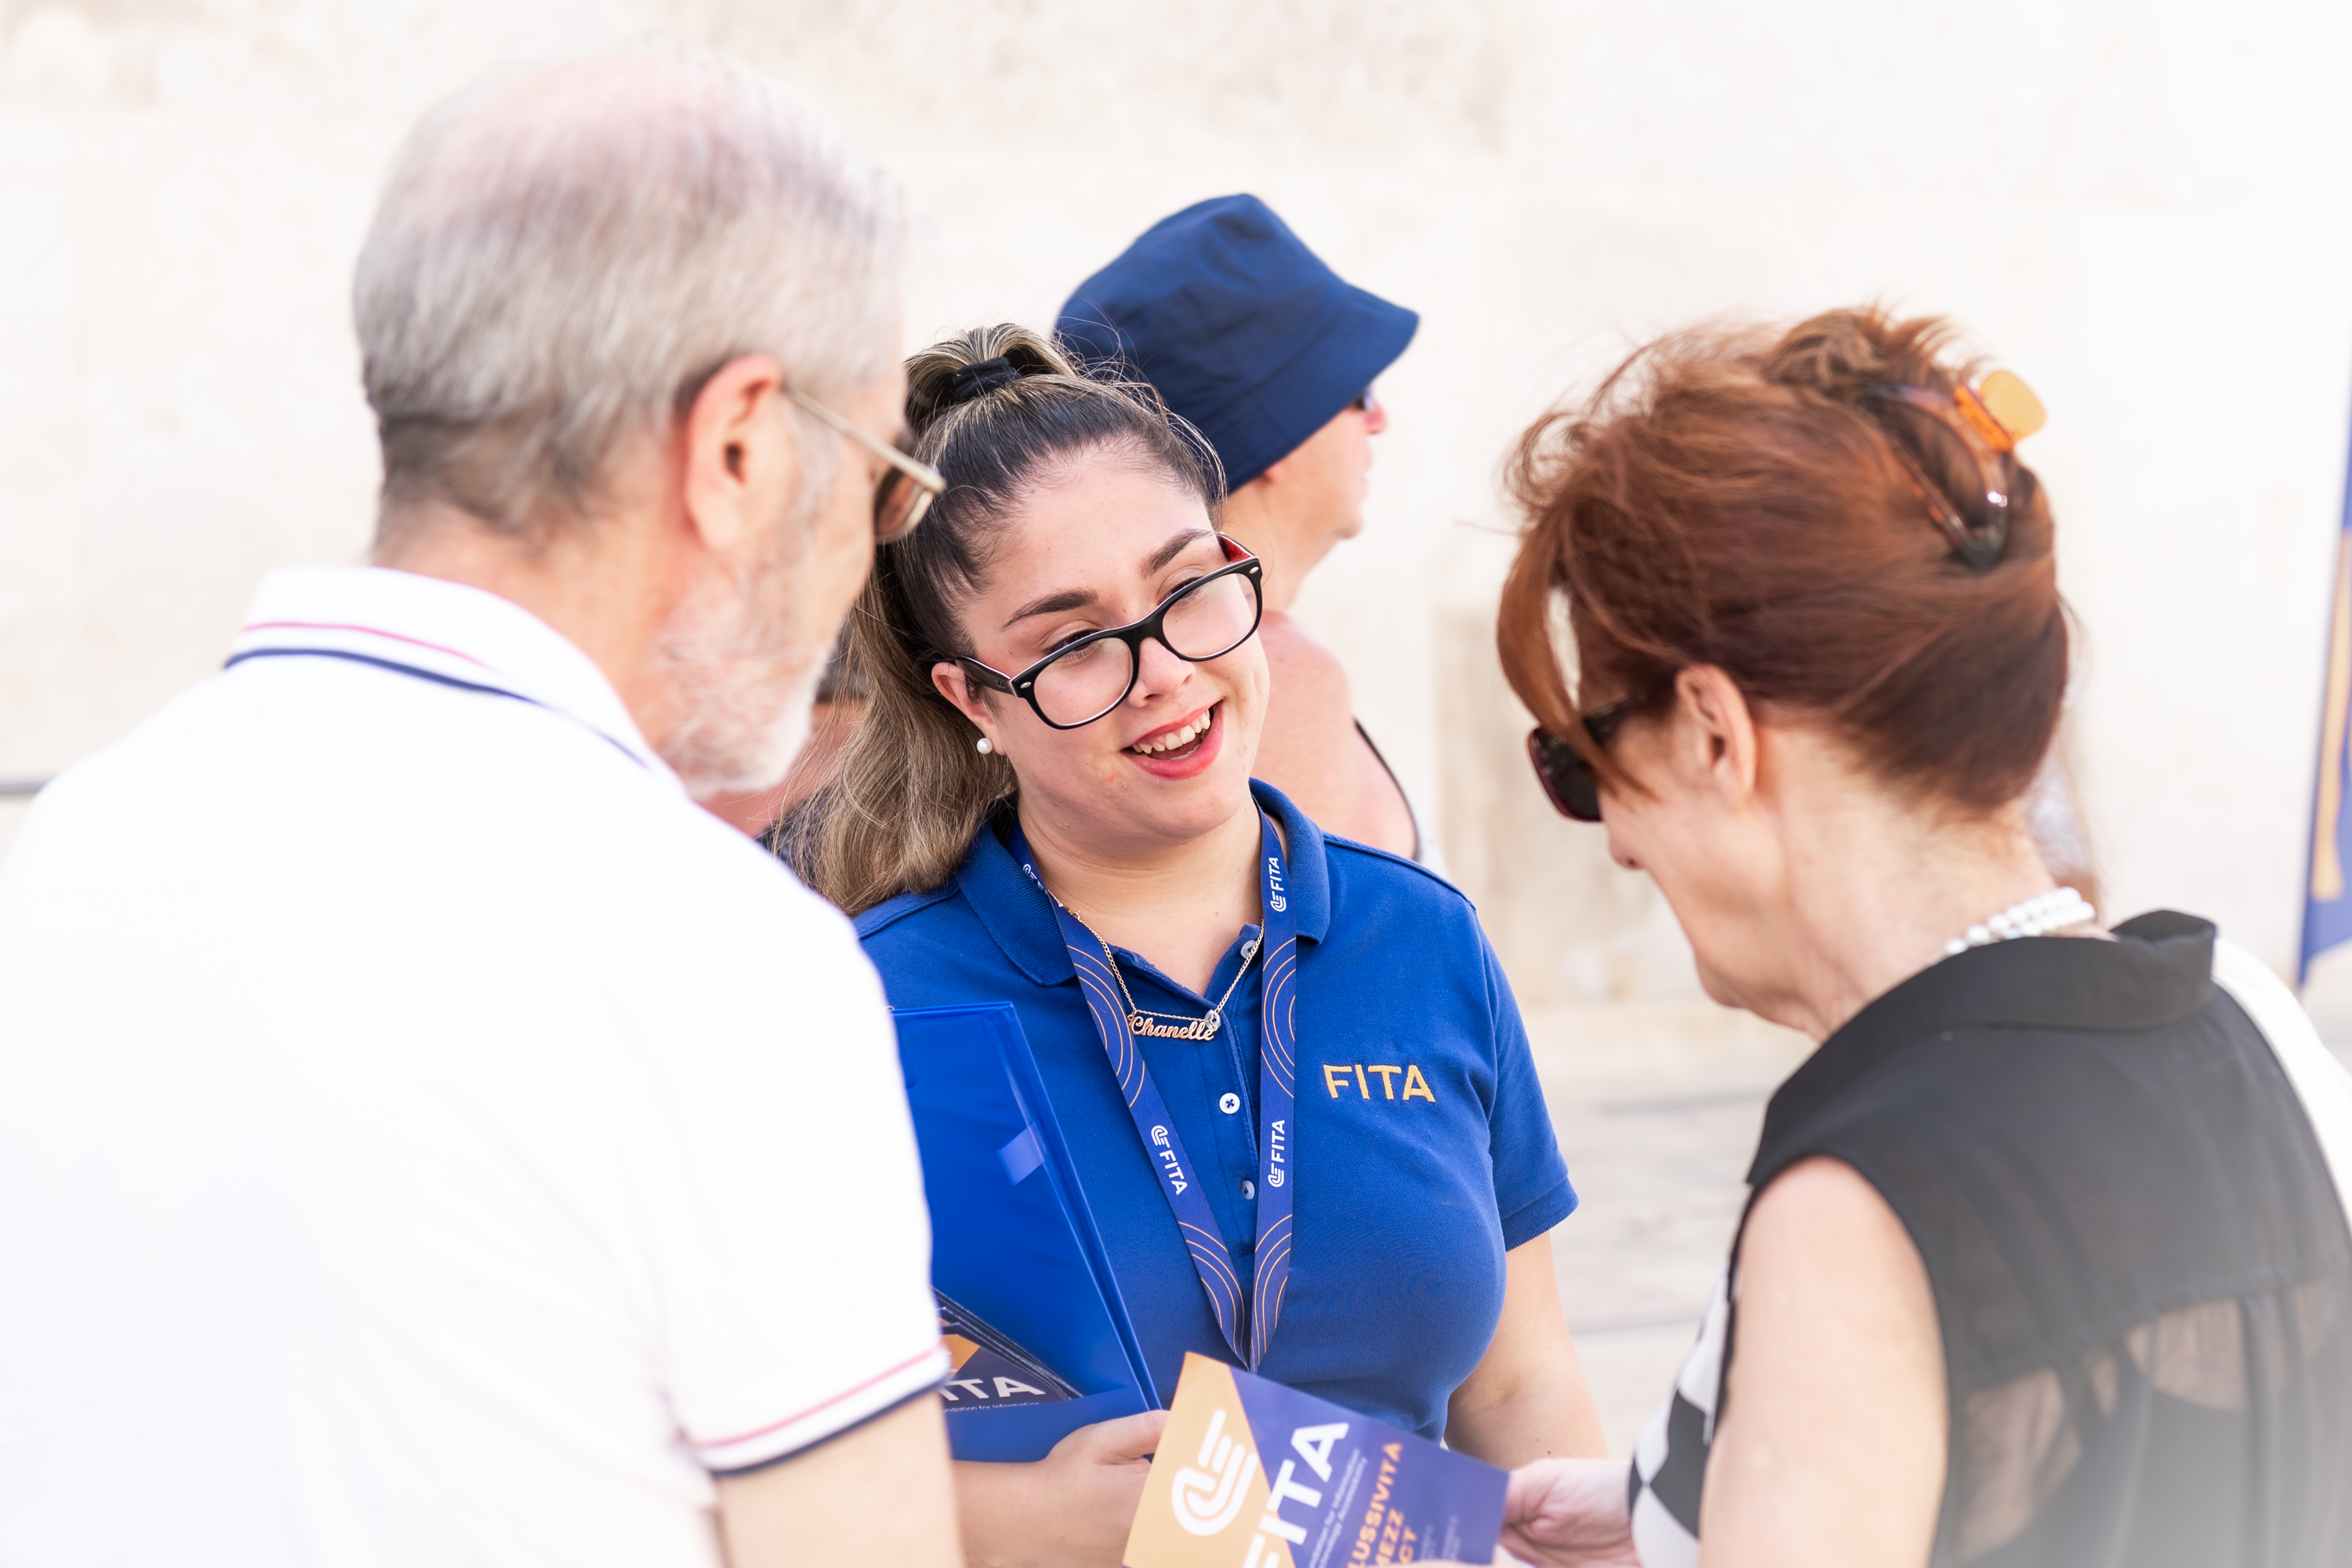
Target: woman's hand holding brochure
[1073,1506]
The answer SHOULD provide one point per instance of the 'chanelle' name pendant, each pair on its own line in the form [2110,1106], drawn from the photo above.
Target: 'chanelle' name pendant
[1160,1025]
[1191,1029]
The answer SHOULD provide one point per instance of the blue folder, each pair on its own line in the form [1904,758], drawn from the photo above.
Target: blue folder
[1012,1237]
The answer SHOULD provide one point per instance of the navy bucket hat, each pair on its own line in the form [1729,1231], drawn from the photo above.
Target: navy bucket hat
[1243,328]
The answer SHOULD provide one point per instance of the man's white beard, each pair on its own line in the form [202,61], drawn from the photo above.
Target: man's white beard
[742,673]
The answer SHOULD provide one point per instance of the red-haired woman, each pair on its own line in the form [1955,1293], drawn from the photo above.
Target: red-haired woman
[2044,1261]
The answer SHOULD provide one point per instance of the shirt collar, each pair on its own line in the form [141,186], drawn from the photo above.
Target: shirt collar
[446,631]
[2158,971]
[1017,915]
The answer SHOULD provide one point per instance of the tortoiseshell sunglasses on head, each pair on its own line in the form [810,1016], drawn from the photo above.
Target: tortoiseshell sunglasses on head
[1989,420]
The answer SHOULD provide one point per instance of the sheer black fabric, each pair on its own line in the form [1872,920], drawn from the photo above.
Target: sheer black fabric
[2141,1269]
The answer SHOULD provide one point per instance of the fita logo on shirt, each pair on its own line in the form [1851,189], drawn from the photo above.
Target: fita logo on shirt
[1340,1077]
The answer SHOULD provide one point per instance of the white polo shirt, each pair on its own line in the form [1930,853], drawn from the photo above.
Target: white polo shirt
[426,1136]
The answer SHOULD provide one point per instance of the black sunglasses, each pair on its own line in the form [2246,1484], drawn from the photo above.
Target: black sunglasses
[1568,780]
[1085,678]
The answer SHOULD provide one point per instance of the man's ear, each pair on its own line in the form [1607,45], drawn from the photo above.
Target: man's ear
[742,458]
[949,681]
[1720,730]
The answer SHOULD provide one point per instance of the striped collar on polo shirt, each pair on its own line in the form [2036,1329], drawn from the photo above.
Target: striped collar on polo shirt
[445,633]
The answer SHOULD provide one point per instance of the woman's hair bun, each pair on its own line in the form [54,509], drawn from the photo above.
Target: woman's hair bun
[1846,355]
[980,378]
[958,371]
[1748,502]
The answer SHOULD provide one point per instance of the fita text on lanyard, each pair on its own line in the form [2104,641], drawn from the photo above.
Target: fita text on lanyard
[1246,1319]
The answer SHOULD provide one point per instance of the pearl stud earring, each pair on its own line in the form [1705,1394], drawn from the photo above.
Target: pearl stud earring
[981,746]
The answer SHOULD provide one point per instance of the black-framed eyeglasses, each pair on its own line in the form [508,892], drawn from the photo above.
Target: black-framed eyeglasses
[1080,682]
[1365,402]
[1568,780]
[907,487]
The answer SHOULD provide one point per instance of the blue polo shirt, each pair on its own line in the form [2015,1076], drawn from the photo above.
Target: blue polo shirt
[1423,1149]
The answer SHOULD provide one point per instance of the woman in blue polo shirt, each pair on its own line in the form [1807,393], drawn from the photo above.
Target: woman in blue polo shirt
[1049,801]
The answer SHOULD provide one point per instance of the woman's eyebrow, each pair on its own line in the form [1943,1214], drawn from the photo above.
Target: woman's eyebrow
[1052,604]
[1079,598]
[1173,548]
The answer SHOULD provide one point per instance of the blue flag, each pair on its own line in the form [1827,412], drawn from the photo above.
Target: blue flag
[2327,904]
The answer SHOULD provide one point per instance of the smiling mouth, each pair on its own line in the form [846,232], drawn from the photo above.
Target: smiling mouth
[1170,744]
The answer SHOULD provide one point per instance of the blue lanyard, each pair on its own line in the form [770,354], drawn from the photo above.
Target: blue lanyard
[1244,1321]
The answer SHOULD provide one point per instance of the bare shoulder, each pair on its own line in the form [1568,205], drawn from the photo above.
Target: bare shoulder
[1309,748]
[1822,1201]
[1302,668]
[1822,1243]
[1308,741]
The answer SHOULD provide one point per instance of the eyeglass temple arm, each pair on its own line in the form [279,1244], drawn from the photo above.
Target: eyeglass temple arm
[915,468]
[994,680]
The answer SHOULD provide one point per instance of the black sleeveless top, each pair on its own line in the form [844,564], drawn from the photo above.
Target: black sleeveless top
[2141,1269]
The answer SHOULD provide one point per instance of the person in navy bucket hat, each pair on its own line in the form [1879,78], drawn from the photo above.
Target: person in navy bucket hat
[1271,356]
[1243,328]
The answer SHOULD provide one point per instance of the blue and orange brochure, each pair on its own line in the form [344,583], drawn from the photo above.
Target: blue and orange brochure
[991,1371]
[1254,1475]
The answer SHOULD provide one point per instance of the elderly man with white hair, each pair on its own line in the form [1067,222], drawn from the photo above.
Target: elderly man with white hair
[431,1138]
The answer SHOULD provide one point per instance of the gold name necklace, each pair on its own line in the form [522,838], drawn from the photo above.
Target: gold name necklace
[1167,1025]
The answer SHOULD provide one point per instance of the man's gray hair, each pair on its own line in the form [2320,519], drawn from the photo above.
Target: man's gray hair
[564,254]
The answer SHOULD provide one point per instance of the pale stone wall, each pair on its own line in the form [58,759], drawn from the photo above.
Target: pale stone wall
[2144,209]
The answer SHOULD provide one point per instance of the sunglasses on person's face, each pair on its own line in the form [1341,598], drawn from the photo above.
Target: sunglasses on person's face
[1568,780]
[907,487]
[1365,402]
